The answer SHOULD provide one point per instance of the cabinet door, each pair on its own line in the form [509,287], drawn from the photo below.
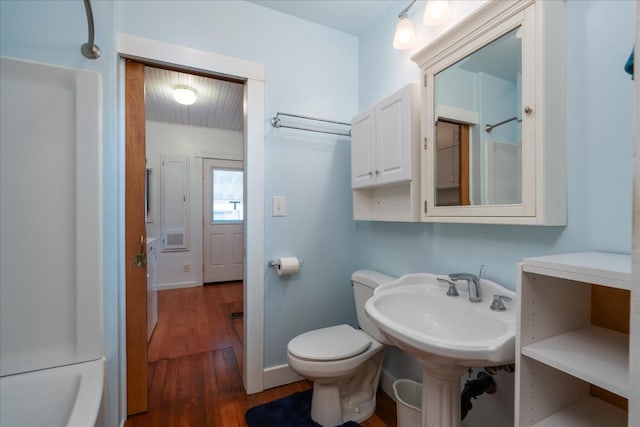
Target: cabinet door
[393,138]
[363,153]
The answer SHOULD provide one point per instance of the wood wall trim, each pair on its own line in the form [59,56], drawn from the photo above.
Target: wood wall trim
[135,239]
[464,166]
[611,309]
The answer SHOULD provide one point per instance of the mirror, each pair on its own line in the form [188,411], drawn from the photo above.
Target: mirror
[478,126]
[494,117]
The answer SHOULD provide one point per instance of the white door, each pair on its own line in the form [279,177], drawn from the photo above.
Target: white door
[223,220]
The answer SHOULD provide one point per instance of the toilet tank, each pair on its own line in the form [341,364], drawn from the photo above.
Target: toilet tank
[364,283]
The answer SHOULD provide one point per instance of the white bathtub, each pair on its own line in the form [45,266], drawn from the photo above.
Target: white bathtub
[65,396]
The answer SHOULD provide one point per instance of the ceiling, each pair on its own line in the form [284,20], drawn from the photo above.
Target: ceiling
[349,16]
[219,104]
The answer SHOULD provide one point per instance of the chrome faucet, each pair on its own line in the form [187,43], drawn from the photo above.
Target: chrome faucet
[473,282]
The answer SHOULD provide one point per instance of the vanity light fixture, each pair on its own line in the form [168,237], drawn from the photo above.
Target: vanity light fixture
[405,37]
[436,12]
[184,95]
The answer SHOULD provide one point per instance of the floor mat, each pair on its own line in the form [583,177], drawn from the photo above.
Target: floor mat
[289,411]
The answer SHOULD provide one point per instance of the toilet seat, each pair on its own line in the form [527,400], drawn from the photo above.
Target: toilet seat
[327,344]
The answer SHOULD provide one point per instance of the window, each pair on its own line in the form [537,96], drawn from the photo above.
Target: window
[227,195]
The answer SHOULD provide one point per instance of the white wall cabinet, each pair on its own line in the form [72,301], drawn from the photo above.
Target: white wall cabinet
[385,158]
[457,88]
[381,141]
[570,370]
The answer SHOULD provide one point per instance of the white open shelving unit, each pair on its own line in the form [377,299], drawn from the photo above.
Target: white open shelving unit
[560,353]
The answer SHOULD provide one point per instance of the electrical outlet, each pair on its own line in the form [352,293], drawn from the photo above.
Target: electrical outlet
[279,207]
[187,268]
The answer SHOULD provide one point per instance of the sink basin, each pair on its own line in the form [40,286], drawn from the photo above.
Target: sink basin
[446,334]
[415,314]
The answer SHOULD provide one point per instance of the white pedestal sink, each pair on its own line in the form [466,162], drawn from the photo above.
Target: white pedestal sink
[446,334]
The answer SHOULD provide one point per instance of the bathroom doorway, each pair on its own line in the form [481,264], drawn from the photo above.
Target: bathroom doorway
[252,74]
[171,138]
[452,164]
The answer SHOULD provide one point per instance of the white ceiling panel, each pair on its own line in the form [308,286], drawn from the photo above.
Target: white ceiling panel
[218,104]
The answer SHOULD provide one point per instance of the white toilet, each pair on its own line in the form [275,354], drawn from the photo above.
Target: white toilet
[344,363]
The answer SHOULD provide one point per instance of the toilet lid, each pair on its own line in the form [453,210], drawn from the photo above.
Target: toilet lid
[333,343]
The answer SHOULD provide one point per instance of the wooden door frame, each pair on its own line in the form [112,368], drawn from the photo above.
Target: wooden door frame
[462,160]
[463,169]
[135,239]
[192,60]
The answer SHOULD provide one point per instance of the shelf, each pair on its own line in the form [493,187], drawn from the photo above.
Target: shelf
[593,354]
[398,202]
[600,268]
[589,412]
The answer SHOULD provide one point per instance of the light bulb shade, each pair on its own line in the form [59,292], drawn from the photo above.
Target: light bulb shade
[436,12]
[405,36]
[184,95]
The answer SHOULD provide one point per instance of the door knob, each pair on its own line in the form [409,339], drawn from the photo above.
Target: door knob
[140,259]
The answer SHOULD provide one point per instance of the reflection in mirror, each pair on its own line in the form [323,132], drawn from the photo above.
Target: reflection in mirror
[478,102]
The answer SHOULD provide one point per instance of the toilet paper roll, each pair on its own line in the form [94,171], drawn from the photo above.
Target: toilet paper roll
[287,265]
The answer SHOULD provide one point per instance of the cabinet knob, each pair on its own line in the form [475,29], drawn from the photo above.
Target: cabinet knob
[528,110]
[377,172]
[370,173]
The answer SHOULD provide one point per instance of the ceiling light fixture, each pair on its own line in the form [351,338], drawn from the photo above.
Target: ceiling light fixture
[184,95]
[405,37]
[436,12]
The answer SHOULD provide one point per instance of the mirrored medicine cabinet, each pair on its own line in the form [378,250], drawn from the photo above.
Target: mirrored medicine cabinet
[493,119]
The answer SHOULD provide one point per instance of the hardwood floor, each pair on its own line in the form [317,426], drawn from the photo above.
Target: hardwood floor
[194,320]
[195,357]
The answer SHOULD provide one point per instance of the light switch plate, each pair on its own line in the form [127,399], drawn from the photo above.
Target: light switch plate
[279,207]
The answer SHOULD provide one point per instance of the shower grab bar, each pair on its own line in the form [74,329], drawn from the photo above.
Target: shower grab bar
[277,123]
[488,128]
[90,49]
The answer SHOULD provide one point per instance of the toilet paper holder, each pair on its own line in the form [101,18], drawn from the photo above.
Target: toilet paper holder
[286,266]
[274,263]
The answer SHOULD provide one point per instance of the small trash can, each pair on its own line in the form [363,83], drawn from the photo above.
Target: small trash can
[408,402]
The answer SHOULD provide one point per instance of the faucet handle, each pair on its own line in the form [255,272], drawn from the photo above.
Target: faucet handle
[497,304]
[452,291]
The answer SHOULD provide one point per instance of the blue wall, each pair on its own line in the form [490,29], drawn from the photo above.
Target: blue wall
[310,70]
[599,142]
[599,147]
[52,32]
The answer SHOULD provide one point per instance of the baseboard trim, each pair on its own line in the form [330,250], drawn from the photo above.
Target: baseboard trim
[177,285]
[276,376]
